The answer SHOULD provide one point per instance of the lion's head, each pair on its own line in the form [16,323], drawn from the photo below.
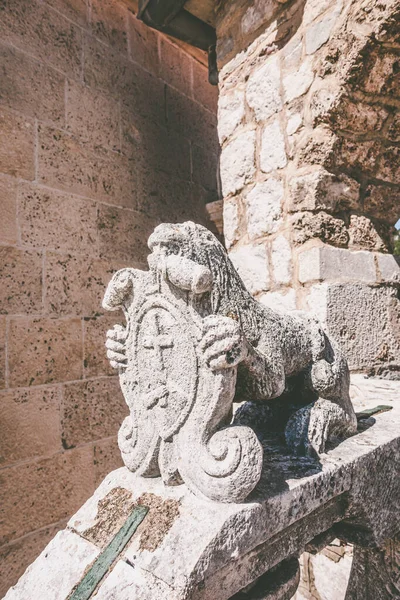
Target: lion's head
[229,296]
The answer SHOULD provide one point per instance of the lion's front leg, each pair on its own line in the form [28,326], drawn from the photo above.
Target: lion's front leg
[116,348]
[223,344]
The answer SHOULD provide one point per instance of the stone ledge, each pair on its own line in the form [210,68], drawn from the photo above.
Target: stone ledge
[206,549]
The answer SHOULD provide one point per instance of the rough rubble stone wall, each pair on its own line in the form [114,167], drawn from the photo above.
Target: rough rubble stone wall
[309,126]
[107,129]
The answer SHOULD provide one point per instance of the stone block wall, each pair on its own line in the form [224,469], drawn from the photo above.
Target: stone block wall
[107,129]
[308,122]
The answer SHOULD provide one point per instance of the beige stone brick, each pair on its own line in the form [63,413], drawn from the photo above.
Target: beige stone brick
[256,15]
[139,91]
[103,67]
[75,285]
[3,326]
[52,489]
[359,155]
[364,234]
[8,203]
[264,208]
[389,165]
[263,92]
[292,53]
[92,410]
[93,117]
[30,423]
[44,351]
[389,267]
[18,555]
[319,32]
[273,152]
[75,10]
[175,67]
[170,153]
[394,129]
[252,265]
[123,234]
[31,87]
[143,45]
[204,167]
[231,222]
[17,145]
[31,26]
[336,264]
[155,147]
[281,301]
[52,219]
[281,260]
[66,164]
[359,117]
[313,9]
[231,111]
[321,226]
[203,91]
[316,147]
[166,198]
[107,458]
[108,20]
[238,162]
[319,189]
[325,103]
[381,72]
[94,353]
[353,312]
[191,120]
[144,94]
[21,276]
[296,83]
[382,202]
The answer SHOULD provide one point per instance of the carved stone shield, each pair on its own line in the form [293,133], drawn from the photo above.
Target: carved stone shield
[179,407]
[167,364]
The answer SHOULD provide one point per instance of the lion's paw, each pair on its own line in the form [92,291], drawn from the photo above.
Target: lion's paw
[223,344]
[115,344]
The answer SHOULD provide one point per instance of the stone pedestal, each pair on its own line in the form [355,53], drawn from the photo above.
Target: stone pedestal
[185,547]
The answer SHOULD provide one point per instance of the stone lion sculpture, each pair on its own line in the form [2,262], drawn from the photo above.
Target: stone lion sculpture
[284,360]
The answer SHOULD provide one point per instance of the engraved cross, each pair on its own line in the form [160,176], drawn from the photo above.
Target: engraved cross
[158,342]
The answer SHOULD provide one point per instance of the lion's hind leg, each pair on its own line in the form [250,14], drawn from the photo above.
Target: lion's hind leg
[332,415]
[311,427]
[330,379]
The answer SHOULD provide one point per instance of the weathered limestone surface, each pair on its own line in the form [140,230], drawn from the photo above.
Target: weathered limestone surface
[98,118]
[189,547]
[317,84]
[195,340]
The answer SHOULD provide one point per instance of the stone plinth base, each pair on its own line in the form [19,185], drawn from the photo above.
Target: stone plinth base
[137,539]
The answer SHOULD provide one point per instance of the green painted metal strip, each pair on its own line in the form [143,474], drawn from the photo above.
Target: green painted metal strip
[104,561]
[368,412]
